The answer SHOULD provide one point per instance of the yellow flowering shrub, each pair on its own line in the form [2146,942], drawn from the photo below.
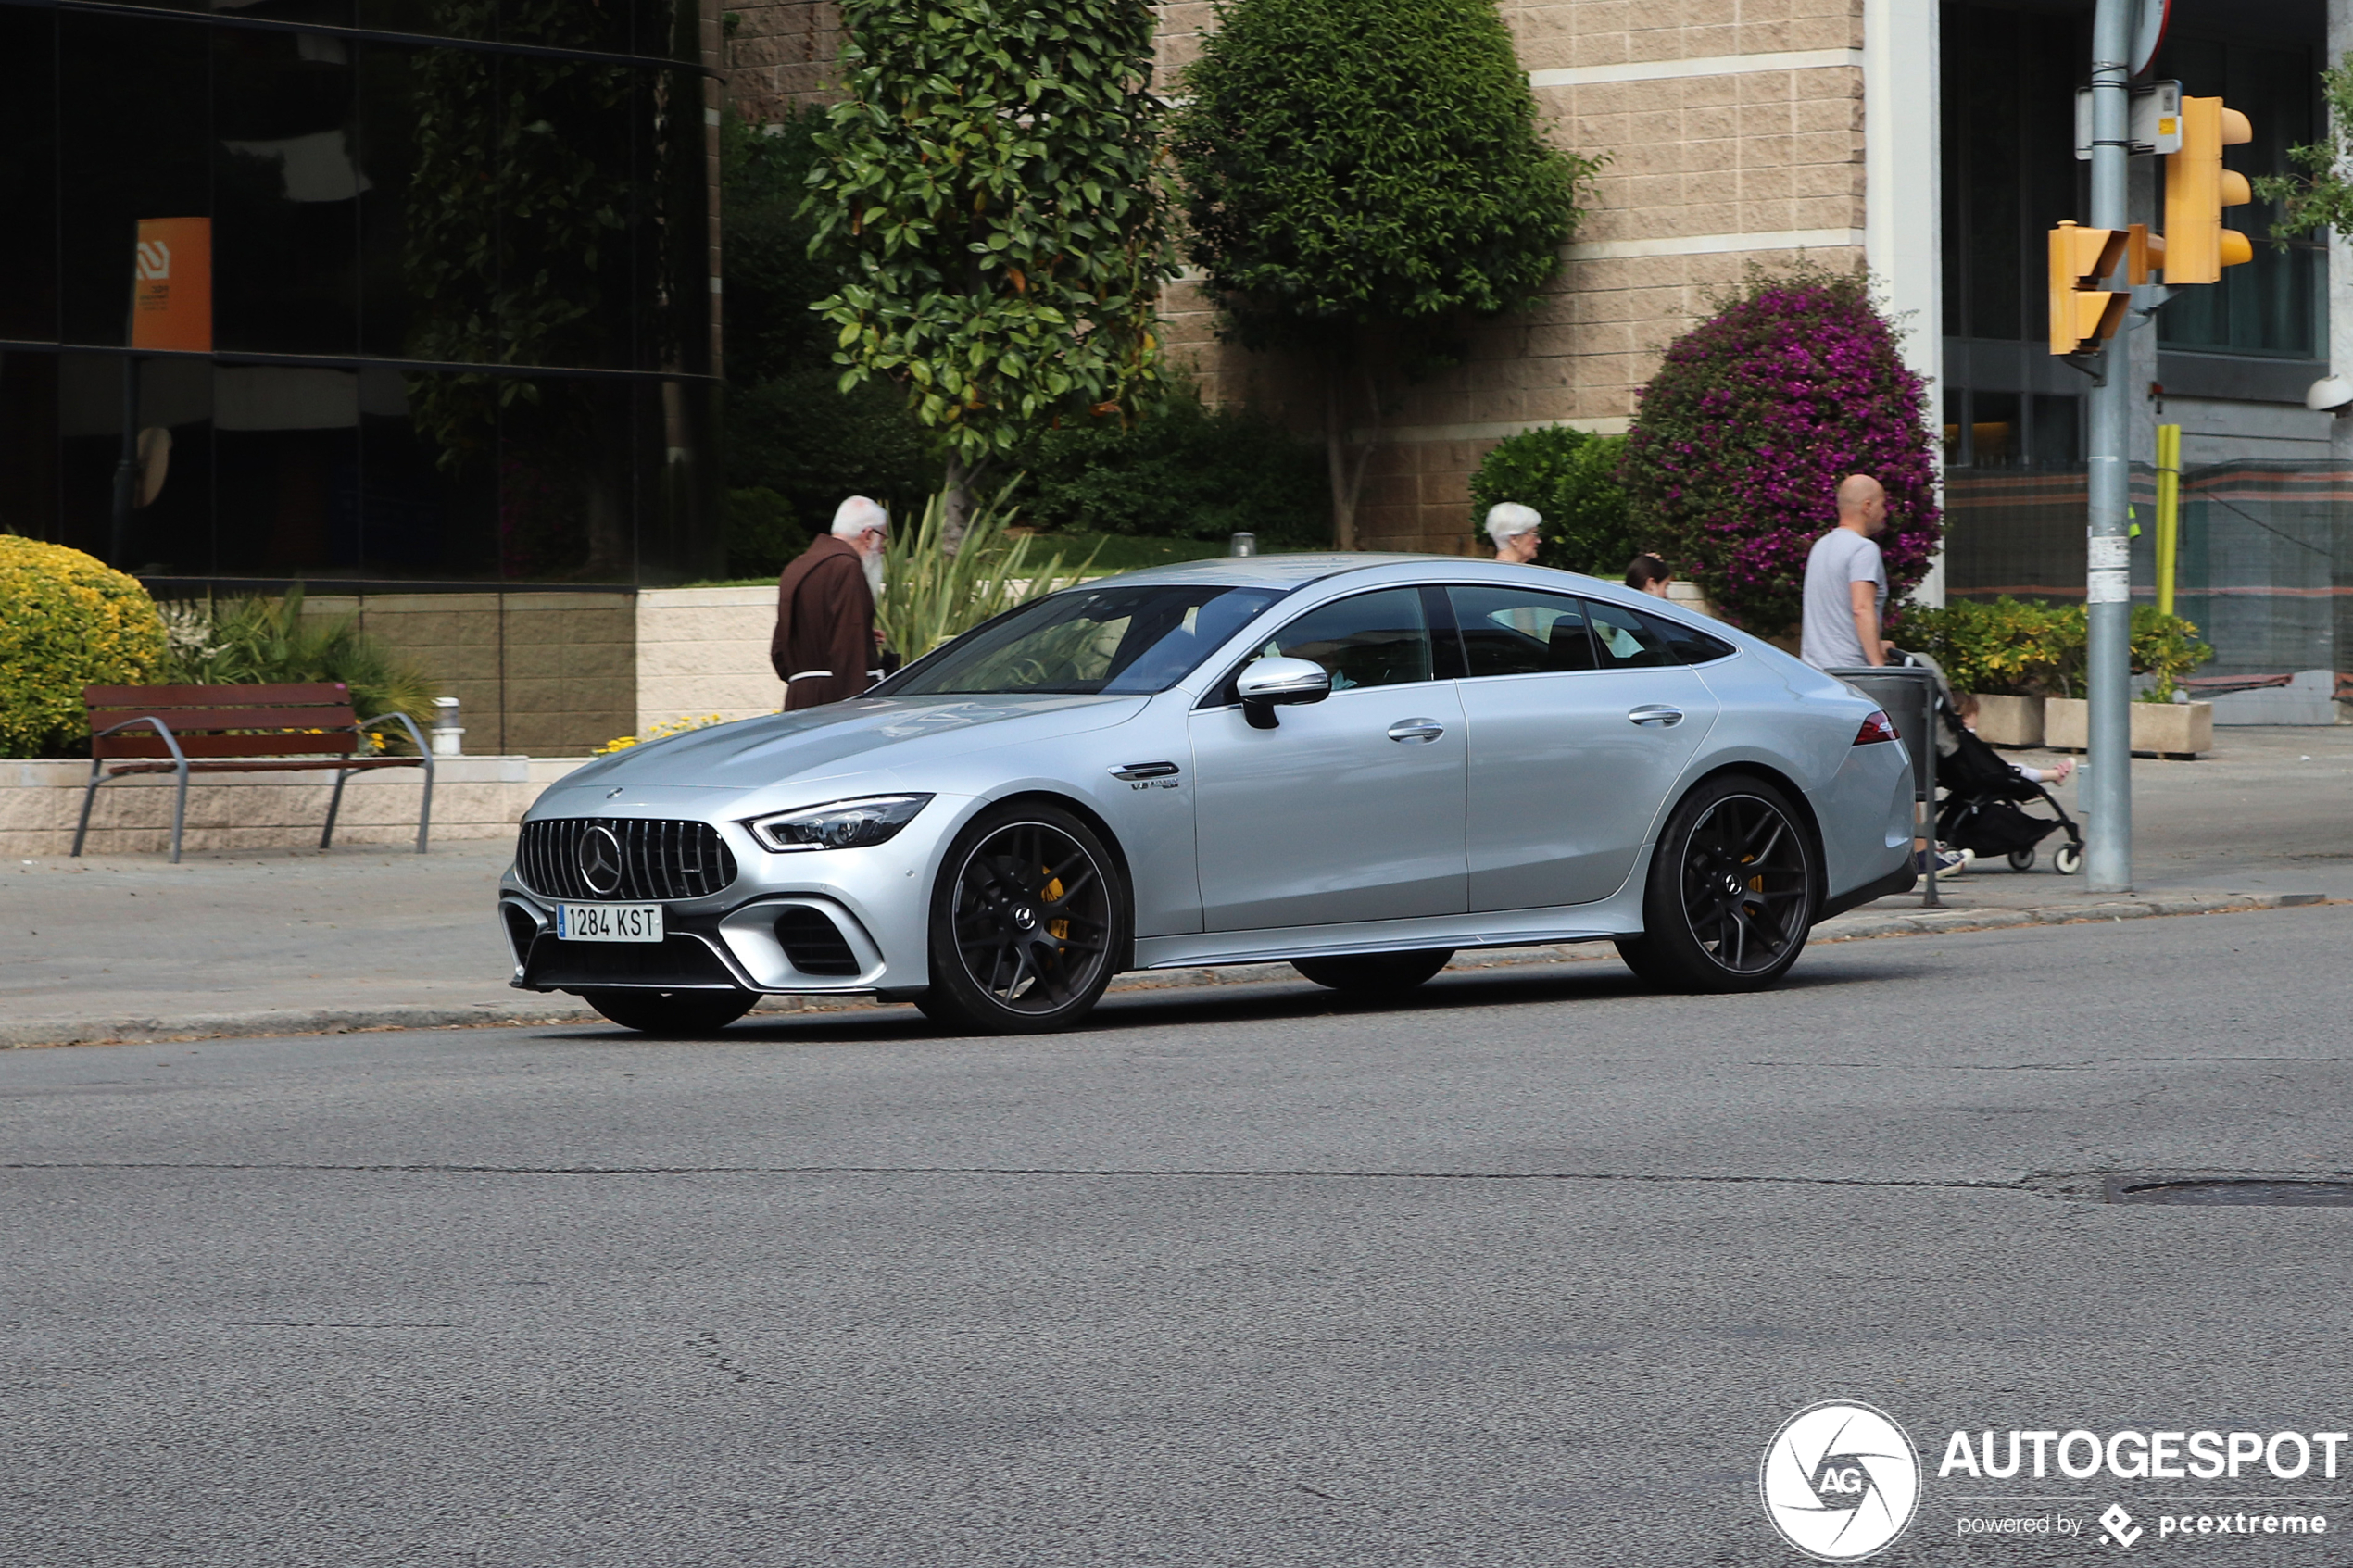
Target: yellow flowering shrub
[66,621]
[662,731]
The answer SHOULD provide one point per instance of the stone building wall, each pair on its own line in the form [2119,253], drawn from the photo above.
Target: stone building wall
[1733,131]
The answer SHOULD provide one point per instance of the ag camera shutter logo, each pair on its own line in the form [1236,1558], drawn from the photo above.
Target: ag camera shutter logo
[1840,1481]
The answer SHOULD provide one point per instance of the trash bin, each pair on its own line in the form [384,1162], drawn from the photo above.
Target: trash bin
[1907,694]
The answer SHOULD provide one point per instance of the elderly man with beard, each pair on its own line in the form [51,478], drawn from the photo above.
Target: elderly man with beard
[825,646]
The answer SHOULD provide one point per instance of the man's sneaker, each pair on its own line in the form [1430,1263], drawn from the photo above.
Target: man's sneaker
[1949,862]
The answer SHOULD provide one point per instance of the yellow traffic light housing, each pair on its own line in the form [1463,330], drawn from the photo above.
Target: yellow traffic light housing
[2084,312]
[2196,189]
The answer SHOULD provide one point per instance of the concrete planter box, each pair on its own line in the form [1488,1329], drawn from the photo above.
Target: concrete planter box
[2009,720]
[2169,729]
[1691,596]
[473,798]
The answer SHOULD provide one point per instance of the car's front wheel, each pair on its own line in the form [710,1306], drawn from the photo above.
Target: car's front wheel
[1026,919]
[1732,891]
[1374,974]
[671,1012]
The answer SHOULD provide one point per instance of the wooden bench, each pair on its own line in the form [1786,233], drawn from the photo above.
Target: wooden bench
[255,729]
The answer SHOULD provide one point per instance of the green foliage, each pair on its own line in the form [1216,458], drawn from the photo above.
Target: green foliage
[1179,472]
[993,190]
[2014,648]
[1571,477]
[2011,648]
[1350,162]
[67,621]
[930,595]
[761,531]
[771,279]
[260,640]
[800,435]
[2322,196]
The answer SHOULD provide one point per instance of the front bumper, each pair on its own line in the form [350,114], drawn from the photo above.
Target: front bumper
[820,922]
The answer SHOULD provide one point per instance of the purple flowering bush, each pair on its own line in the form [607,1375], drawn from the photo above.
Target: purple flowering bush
[1741,439]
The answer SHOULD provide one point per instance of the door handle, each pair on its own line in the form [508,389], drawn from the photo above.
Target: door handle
[1656,713]
[1422,730]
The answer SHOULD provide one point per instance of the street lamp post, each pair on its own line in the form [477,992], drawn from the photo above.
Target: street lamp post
[2108,593]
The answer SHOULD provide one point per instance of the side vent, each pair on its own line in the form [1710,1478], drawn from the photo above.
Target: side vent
[814,943]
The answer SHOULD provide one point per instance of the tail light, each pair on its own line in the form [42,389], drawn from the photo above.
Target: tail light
[1875,729]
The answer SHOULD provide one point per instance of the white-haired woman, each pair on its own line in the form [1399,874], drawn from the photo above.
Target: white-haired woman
[1513,527]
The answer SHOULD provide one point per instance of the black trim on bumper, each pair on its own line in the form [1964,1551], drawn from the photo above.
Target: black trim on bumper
[1900,880]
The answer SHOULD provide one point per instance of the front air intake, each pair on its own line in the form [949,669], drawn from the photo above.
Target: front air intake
[813,944]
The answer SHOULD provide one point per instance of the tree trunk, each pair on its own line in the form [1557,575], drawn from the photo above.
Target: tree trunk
[1335,459]
[956,503]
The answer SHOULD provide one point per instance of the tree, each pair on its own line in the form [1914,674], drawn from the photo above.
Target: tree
[2321,197]
[1359,164]
[993,187]
[1741,439]
[1570,476]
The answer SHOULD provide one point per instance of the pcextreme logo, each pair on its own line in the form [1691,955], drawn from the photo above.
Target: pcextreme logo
[1840,1481]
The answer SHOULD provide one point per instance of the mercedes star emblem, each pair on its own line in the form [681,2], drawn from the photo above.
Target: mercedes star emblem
[600,854]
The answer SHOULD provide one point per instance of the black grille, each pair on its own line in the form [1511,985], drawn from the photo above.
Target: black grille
[814,943]
[674,961]
[658,859]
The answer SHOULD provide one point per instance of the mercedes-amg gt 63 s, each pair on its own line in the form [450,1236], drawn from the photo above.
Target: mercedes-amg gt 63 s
[1358,764]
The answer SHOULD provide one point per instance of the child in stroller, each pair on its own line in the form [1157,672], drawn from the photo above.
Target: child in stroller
[1983,795]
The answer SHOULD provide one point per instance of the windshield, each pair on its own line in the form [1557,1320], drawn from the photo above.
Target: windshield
[1141,639]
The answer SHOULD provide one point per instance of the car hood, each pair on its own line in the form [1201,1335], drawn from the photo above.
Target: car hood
[856,736]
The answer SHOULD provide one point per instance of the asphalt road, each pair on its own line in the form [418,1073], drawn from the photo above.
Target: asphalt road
[1527,1272]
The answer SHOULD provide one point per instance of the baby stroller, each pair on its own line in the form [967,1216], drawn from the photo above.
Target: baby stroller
[1982,796]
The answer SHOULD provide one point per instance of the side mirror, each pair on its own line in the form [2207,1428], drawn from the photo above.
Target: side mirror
[1265,685]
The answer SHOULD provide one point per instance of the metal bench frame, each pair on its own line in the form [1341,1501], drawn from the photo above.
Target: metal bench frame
[218,753]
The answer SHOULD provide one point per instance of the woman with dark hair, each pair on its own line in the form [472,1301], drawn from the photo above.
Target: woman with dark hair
[1650,574]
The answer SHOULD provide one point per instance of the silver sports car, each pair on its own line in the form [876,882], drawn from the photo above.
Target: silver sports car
[1358,764]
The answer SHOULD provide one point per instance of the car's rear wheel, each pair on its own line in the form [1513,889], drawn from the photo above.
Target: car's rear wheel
[671,1012]
[1025,920]
[1374,974]
[1732,891]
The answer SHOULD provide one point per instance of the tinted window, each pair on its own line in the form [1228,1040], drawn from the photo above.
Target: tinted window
[1133,639]
[1379,639]
[1626,639]
[1689,643]
[1515,631]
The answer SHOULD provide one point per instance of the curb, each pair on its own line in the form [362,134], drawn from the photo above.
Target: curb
[1857,926]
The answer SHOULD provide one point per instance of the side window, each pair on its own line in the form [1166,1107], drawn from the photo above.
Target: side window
[1376,639]
[1520,631]
[1627,639]
[1690,645]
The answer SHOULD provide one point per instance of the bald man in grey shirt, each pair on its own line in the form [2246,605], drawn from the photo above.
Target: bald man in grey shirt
[1846,582]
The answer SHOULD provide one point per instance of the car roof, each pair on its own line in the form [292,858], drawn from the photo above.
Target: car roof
[1270,571]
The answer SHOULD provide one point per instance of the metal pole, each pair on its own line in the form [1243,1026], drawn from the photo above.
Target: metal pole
[2108,596]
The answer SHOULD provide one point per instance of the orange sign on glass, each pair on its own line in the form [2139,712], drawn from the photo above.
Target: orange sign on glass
[171,285]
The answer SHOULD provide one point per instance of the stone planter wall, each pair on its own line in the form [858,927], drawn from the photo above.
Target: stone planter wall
[2009,720]
[705,650]
[473,798]
[2170,729]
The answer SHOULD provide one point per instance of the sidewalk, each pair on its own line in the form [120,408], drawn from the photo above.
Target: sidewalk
[298,942]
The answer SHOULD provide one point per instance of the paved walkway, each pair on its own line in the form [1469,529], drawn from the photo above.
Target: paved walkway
[298,942]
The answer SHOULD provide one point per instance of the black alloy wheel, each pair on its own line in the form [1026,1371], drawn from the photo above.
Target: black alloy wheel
[1026,921]
[1374,974]
[1732,891]
[670,1013]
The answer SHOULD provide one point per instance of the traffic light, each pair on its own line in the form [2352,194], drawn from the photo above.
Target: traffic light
[2082,311]
[2196,189]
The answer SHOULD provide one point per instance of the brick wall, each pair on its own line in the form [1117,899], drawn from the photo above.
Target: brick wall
[1732,130]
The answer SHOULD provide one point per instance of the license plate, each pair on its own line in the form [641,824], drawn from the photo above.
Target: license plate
[608,922]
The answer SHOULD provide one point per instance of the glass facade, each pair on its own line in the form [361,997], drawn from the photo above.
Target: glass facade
[460,310]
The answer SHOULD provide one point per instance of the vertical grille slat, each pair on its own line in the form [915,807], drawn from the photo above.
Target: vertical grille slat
[662,860]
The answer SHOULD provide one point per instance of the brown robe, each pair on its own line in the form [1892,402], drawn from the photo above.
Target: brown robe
[824,620]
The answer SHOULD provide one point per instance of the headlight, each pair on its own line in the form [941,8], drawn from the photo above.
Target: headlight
[845,824]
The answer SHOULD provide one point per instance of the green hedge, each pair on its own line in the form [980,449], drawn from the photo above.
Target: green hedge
[1571,477]
[2021,647]
[1182,471]
[66,621]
